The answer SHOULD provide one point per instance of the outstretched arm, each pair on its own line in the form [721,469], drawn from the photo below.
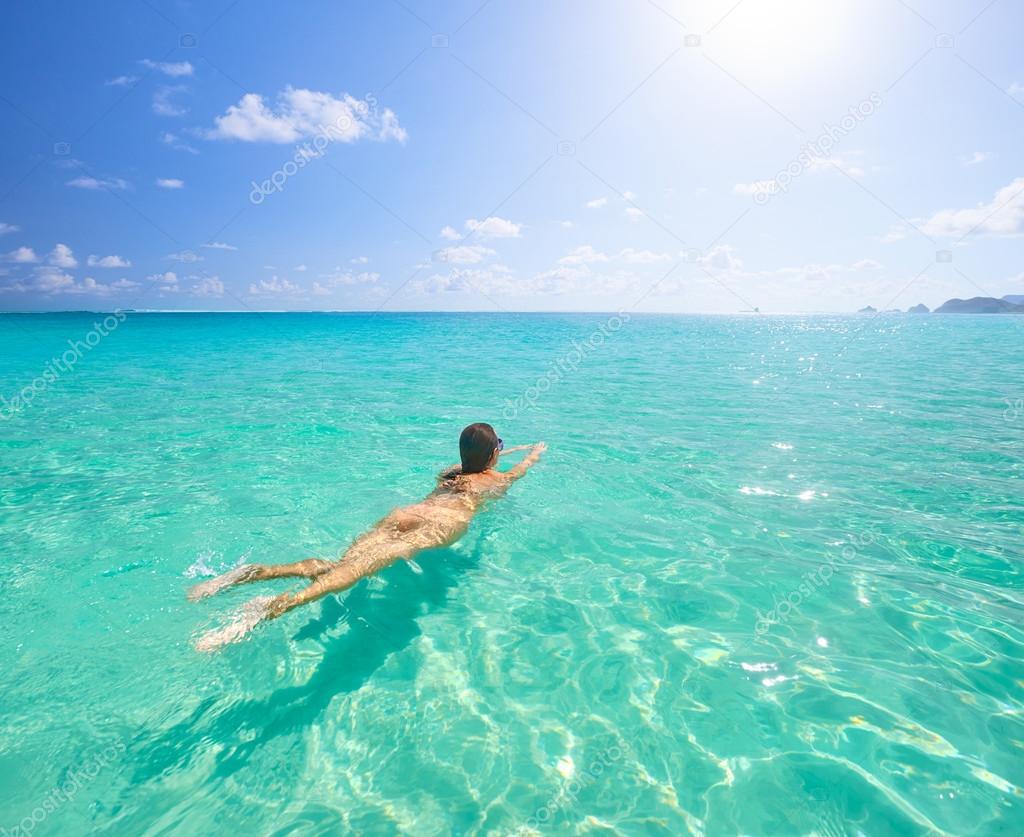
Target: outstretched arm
[518,470]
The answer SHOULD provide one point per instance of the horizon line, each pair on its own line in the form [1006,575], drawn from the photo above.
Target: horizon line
[438,311]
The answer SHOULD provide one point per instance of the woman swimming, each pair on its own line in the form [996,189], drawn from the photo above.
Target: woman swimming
[439,520]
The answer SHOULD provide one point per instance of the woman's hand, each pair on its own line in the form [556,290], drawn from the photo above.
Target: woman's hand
[528,461]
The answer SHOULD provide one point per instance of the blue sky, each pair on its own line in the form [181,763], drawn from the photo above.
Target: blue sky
[603,155]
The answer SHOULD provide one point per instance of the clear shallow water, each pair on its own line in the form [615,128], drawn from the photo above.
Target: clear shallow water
[767,579]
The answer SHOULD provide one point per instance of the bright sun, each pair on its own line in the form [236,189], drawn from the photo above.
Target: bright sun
[778,37]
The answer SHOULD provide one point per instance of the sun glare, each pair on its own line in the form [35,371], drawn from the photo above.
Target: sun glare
[778,37]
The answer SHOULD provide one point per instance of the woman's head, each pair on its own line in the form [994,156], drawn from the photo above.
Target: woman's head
[479,446]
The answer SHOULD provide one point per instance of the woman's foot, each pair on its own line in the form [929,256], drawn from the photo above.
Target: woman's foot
[238,575]
[247,618]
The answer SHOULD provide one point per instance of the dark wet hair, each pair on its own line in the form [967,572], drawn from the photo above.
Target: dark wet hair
[476,447]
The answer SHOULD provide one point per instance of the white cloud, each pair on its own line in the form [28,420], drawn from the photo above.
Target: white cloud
[629,196]
[343,278]
[300,268]
[208,286]
[720,258]
[360,260]
[596,203]
[976,157]
[464,280]
[827,164]
[563,279]
[23,255]
[566,225]
[8,228]
[89,286]
[122,81]
[219,245]
[816,165]
[162,104]
[302,114]
[584,254]
[465,254]
[450,233]
[364,278]
[494,227]
[1016,89]
[172,69]
[500,280]
[1003,216]
[170,183]
[813,272]
[273,286]
[167,283]
[642,256]
[107,261]
[897,232]
[85,182]
[49,280]
[61,256]
[565,273]
[175,142]
[53,281]
[634,213]
[756,187]
[185,256]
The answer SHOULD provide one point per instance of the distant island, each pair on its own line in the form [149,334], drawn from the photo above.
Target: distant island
[979,305]
[1009,304]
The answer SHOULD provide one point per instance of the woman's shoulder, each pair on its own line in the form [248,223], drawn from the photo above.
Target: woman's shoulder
[488,481]
[481,483]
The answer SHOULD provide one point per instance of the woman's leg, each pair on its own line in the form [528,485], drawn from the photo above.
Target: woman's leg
[361,560]
[310,568]
[335,581]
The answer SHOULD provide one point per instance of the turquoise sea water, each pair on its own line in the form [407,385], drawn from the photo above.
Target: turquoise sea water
[766,580]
